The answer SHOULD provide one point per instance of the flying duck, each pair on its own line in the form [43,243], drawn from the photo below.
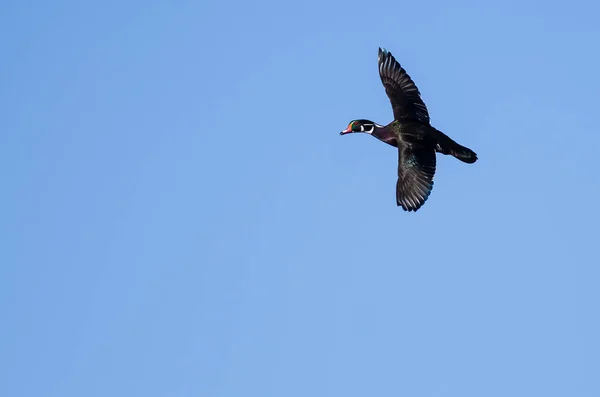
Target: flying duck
[411,132]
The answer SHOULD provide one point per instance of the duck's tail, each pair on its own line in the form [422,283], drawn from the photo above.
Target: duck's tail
[447,146]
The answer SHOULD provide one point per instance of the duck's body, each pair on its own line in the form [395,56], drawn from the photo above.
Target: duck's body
[411,132]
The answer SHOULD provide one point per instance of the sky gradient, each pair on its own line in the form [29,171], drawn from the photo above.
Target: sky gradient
[181,218]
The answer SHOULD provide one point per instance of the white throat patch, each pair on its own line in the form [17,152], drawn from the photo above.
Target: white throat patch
[369,130]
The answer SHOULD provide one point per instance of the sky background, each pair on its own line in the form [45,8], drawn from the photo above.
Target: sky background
[181,218]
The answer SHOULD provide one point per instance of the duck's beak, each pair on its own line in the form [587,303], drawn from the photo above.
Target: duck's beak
[346,131]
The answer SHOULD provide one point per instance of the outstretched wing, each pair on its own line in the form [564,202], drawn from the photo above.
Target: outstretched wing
[416,168]
[401,90]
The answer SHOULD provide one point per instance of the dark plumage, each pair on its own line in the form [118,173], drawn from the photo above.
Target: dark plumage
[411,132]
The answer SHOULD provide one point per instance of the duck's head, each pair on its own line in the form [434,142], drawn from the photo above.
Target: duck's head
[361,125]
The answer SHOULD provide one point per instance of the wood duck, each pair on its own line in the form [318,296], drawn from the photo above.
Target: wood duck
[411,132]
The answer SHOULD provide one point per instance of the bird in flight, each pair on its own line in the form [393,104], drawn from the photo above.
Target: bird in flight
[412,133]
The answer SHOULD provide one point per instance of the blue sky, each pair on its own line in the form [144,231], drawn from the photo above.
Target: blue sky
[181,217]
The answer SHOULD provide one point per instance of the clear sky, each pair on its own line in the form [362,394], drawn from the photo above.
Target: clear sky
[181,218]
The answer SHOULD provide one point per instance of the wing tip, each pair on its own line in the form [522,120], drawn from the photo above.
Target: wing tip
[406,206]
[383,53]
[414,203]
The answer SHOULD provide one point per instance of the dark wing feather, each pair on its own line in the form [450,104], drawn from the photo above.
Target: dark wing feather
[401,90]
[416,167]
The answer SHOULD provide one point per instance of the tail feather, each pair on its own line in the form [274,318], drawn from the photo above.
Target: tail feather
[447,146]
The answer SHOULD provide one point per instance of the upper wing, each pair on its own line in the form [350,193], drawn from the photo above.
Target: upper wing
[402,91]
[416,167]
